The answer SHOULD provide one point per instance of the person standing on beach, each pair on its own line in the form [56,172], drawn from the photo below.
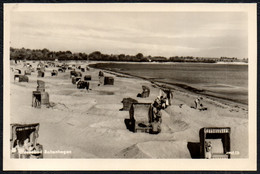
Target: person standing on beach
[169,97]
[155,118]
[157,106]
[198,105]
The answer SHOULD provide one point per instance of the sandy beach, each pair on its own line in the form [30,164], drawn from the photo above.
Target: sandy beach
[88,124]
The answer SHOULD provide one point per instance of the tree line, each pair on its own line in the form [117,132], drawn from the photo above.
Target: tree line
[45,54]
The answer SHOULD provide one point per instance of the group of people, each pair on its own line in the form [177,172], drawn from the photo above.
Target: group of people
[160,103]
[164,100]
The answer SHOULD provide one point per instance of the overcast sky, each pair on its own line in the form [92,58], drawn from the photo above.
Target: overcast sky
[213,34]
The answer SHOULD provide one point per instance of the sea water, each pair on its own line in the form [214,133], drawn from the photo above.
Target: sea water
[226,81]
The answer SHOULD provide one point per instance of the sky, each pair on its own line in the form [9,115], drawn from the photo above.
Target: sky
[198,34]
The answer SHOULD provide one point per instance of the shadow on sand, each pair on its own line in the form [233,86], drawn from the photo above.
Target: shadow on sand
[194,149]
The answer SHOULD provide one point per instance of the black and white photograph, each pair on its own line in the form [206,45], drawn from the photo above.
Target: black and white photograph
[130,86]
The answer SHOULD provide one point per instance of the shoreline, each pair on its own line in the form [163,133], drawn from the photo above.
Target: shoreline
[125,62]
[183,88]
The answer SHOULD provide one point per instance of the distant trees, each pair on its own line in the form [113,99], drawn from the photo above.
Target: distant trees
[121,56]
[139,56]
[192,59]
[95,55]
[45,54]
[20,54]
[228,59]
[159,59]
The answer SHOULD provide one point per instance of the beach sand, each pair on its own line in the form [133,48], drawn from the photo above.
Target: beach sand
[89,124]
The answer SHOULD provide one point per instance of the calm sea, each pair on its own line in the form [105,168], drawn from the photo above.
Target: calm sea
[227,81]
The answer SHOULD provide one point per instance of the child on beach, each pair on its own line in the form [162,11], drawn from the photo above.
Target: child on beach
[208,148]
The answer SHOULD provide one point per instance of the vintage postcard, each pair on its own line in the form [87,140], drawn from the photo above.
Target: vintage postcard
[130,86]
